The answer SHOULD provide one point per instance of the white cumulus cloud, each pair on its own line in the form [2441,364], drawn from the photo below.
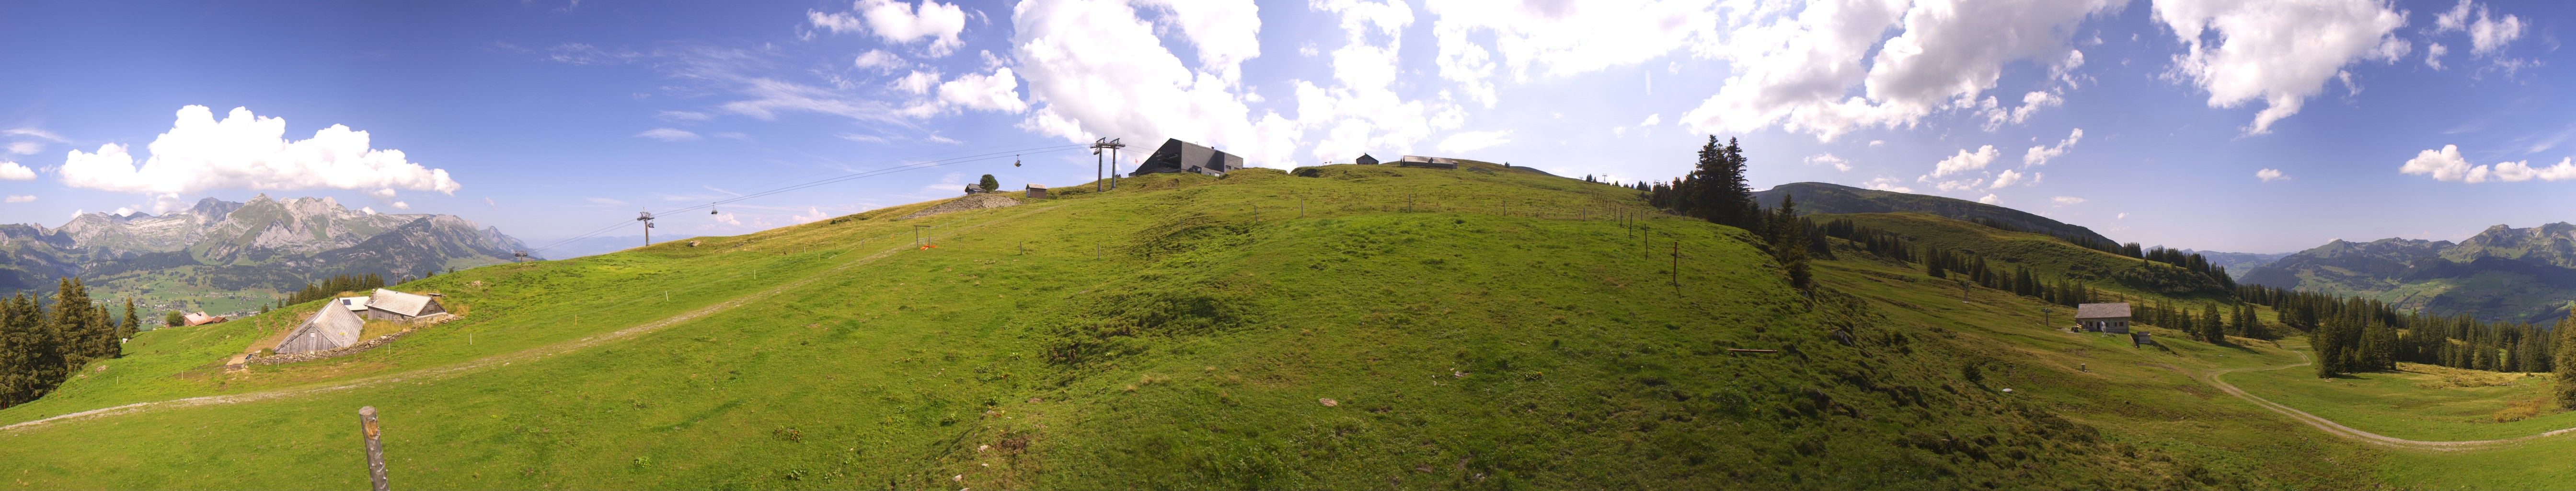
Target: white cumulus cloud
[2039,155]
[899,22]
[2488,34]
[999,91]
[2067,200]
[1557,38]
[2279,52]
[1965,161]
[1829,160]
[880,60]
[2448,165]
[22,198]
[1887,184]
[1798,68]
[245,151]
[2269,175]
[1989,199]
[1095,68]
[12,171]
[2007,178]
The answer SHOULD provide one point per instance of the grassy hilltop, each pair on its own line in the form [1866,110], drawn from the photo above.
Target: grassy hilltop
[1473,328]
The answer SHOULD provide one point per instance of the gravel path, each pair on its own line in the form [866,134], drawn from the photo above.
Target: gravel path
[2214,379]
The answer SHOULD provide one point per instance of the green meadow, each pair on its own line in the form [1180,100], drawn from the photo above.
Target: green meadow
[1338,327]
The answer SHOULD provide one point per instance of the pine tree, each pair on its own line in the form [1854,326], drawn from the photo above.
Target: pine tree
[2329,351]
[1788,242]
[132,323]
[2565,363]
[2210,327]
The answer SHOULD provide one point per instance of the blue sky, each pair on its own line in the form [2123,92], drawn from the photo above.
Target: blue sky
[2209,124]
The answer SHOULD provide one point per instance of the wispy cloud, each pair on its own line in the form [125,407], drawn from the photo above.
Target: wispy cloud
[668,135]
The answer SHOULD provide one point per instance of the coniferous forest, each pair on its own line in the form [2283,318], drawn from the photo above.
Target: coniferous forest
[2349,334]
[43,341]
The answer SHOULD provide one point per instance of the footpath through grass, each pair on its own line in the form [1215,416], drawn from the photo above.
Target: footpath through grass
[2418,402]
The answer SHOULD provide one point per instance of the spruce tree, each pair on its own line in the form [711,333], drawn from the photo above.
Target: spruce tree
[1788,242]
[132,323]
[2565,364]
[2329,351]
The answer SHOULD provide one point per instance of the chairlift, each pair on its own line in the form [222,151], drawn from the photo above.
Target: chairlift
[1015,161]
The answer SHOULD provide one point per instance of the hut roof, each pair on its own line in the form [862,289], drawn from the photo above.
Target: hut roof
[354,303]
[409,305]
[1037,186]
[200,318]
[330,328]
[2118,310]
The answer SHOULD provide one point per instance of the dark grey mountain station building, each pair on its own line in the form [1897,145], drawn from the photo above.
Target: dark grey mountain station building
[1181,156]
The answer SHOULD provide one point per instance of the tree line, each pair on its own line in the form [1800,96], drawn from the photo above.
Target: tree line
[2356,334]
[330,287]
[1715,190]
[2348,334]
[42,343]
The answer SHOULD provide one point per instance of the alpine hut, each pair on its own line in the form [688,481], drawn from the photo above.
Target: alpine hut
[389,305]
[1365,159]
[2103,317]
[337,325]
[1181,156]
[1037,191]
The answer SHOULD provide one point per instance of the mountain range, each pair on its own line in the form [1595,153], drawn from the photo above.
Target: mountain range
[2500,274]
[260,244]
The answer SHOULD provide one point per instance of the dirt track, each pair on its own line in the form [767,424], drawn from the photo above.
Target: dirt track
[2214,380]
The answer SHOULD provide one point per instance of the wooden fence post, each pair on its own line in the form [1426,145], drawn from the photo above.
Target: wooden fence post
[375,446]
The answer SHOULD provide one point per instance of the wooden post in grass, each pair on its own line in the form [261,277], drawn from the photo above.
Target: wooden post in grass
[1677,265]
[375,446]
[1301,206]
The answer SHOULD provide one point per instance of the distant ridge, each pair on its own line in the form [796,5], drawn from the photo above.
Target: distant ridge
[2500,274]
[264,243]
[1818,197]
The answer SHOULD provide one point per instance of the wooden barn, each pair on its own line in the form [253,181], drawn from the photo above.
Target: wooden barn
[2103,317]
[1365,159]
[1037,191]
[336,325]
[389,305]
